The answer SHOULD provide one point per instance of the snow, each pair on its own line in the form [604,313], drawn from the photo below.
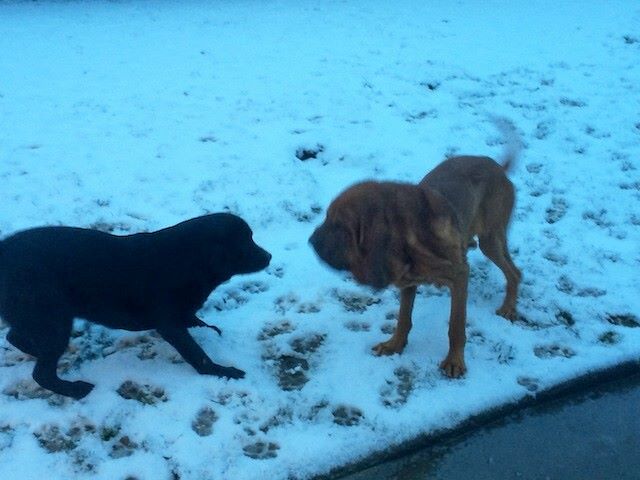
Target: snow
[133,116]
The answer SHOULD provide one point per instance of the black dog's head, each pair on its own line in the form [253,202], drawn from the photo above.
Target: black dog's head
[247,256]
[228,241]
[243,254]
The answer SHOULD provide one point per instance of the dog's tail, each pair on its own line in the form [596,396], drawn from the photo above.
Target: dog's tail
[513,142]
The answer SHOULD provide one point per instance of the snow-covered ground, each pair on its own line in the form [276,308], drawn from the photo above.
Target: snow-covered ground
[132,116]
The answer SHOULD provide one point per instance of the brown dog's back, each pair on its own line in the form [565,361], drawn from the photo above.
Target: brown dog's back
[478,191]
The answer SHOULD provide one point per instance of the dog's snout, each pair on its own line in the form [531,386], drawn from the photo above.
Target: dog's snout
[265,257]
[313,239]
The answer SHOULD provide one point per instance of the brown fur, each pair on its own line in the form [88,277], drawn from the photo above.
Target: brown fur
[388,233]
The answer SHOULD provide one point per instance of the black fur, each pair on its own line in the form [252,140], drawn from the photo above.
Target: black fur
[159,280]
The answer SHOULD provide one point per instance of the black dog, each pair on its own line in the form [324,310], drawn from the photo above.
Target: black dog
[159,280]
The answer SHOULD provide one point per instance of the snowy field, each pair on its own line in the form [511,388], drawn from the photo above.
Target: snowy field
[132,116]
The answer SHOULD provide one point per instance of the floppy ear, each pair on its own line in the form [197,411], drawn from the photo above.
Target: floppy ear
[373,245]
[441,218]
[432,251]
[421,257]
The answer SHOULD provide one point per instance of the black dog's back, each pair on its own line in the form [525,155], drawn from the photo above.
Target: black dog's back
[115,281]
[50,275]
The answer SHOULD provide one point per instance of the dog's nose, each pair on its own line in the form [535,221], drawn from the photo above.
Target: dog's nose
[266,257]
[313,238]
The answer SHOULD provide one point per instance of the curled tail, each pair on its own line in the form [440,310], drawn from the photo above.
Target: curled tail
[513,142]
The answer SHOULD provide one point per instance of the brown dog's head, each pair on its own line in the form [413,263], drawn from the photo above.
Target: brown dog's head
[345,240]
[377,231]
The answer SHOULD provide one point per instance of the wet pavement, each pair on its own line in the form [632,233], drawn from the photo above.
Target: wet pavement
[591,433]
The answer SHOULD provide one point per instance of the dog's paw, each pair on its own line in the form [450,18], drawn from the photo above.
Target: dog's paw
[507,311]
[229,372]
[390,347]
[453,366]
[79,389]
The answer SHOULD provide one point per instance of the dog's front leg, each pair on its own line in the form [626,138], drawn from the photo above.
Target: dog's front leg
[399,339]
[196,322]
[186,346]
[453,365]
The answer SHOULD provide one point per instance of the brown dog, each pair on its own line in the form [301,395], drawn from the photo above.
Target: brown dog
[404,234]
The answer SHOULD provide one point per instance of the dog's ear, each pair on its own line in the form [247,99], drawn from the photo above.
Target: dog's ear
[442,221]
[428,249]
[374,240]
[423,256]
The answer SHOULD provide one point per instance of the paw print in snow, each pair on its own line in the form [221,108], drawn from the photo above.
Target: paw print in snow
[309,344]
[274,329]
[623,320]
[530,383]
[355,301]
[550,351]
[609,338]
[261,450]
[347,416]
[233,298]
[285,303]
[254,287]
[355,326]
[203,423]
[397,390]
[557,210]
[292,372]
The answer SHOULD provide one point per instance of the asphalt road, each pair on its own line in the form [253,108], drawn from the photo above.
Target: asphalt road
[592,434]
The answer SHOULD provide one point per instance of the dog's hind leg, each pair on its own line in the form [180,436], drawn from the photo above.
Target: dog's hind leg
[21,341]
[494,246]
[48,347]
[186,346]
[46,375]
